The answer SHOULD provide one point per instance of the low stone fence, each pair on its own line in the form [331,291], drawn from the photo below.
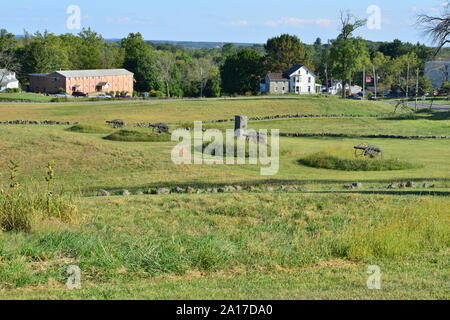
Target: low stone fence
[33,122]
[343,135]
[294,116]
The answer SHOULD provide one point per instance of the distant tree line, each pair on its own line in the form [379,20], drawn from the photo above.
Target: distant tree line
[173,71]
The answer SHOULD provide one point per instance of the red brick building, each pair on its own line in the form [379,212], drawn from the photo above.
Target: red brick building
[87,81]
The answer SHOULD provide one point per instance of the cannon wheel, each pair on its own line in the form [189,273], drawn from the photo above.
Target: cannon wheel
[361,150]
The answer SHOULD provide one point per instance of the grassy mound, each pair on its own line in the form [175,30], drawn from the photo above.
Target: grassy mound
[330,161]
[247,148]
[138,136]
[88,128]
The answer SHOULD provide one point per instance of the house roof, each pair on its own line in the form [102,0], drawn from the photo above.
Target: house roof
[295,68]
[277,76]
[94,73]
[88,73]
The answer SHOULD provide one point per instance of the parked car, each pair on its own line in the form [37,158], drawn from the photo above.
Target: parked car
[104,96]
[62,95]
[79,94]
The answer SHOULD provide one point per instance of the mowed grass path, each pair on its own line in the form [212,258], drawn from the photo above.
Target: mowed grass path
[181,111]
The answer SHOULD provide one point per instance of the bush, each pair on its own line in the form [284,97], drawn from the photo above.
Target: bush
[156,94]
[329,161]
[13,90]
[138,136]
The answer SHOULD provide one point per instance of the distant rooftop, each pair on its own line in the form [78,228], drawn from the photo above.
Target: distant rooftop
[89,73]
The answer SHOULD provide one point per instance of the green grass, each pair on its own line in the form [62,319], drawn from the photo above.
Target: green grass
[224,238]
[425,124]
[315,242]
[137,136]
[187,111]
[24,97]
[332,161]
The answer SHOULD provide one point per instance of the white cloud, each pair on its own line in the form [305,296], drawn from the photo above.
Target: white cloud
[323,22]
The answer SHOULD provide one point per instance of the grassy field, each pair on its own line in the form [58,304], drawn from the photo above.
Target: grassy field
[24,97]
[180,111]
[313,242]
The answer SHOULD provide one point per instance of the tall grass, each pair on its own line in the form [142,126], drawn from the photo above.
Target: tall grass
[20,207]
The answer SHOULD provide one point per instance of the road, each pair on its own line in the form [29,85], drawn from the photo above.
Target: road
[422,105]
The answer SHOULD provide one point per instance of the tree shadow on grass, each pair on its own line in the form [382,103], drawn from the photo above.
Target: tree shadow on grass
[424,114]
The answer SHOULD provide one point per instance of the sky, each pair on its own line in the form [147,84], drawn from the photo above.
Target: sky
[248,21]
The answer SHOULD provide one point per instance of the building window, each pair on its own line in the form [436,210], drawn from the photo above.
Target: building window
[309,80]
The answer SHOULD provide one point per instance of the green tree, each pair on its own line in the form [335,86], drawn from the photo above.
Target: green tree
[241,72]
[91,50]
[139,59]
[165,64]
[45,53]
[348,54]
[285,51]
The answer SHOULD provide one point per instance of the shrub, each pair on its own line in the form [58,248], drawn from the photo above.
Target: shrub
[329,161]
[156,94]
[138,136]
[13,90]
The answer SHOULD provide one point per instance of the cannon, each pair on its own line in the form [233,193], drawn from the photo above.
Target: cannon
[366,150]
[160,127]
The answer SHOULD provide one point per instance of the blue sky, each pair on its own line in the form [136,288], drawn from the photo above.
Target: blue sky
[224,21]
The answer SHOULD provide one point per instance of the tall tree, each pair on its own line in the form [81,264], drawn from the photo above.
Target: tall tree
[241,72]
[139,59]
[90,50]
[348,54]
[165,64]
[438,28]
[45,52]
[8,59]
[284,52]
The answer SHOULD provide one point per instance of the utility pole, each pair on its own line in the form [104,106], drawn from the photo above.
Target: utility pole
[417,87]
[364,81]
[201,82]
[375,80]
[407,82]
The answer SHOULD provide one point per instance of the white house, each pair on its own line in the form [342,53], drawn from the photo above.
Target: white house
[8,80]
[297,80]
